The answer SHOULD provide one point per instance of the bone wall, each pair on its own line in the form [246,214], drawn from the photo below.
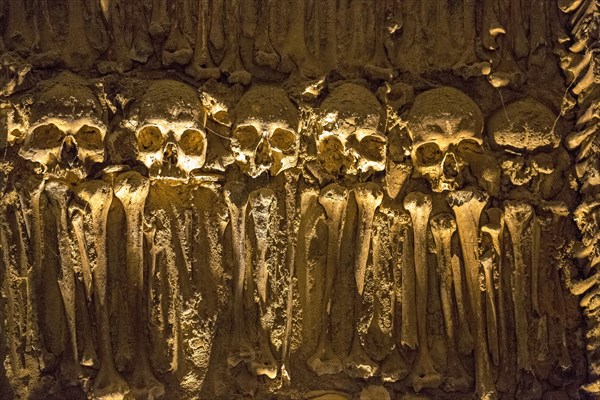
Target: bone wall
[298,199]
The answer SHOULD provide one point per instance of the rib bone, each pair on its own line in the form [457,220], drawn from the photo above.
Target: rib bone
[368,197]
[262,205]
[443,227]
[131,189]
[517,216]
[334,199]
[467,206]
[419,206]
[97,195]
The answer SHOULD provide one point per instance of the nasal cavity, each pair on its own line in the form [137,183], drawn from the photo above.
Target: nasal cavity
[450,166]
[263,155]
[68,151]
[170,153]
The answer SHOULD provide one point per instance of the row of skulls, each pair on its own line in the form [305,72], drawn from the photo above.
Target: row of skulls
[63,126]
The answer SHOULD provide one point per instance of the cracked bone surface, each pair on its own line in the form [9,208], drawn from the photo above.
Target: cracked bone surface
[131,189]
[467,205]
[419,206]
[334,199]
[262,205]
[517,216]
[368,197]
[443,227]
[97,196]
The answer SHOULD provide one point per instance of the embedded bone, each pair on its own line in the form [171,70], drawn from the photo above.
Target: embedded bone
[517,215]
[536,233]
[237,202]
[76,215]
[30,192]
[59,194]
[263,205]
[97,195]
[491,26]
[443,227]
[202,67]
[393,229]
[467,206]
[565,362]
[490,307]
[495,230]
[291,190]
[149,235]
[368,197]
[465,340]
[409,332]
[131,189]
[419,206]
[334,199]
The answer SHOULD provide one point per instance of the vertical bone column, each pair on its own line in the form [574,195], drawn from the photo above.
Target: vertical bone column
[131,189]
[368,197]
[467,206]
[237,202]
[517,216]
[334,199]
[443,227]
[262,205]
[419,206]
[97,195]
[30,192]
[59,193]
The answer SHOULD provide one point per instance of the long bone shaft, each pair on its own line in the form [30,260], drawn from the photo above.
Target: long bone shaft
[237,202]
[517,216]
[97,196]
[467,206]
[368,197]
[132,189]
[443,227]
[291,191]
[30,193]
[59,194]
[419,206]
[263,204]
[334,199]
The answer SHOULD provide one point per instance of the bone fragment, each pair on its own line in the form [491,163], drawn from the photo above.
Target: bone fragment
[467,206]
[97,196]
[419,206]
[131,188]
[443,227]
[490,308]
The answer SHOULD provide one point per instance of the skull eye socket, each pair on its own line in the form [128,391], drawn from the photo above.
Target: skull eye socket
[373,148]
[247,137]
[468,147]
[192,142]
[47,137]
[429,154]
[283,139]
[89,137]
[150,138]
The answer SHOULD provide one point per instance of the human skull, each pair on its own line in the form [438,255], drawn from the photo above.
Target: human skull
[66,127]
[349,138]
[445,126]
[524,129]
[265,132]
[168,124]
